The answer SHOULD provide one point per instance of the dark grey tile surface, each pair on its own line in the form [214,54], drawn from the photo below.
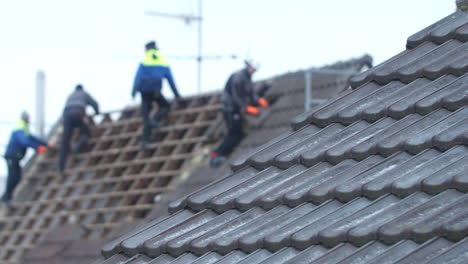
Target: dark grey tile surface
[163,259]
[377,174]
[429,46]
[115,246]
[388,219]
[453,255]
[437,250]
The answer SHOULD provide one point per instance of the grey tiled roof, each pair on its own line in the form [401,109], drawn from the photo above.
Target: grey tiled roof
[378,174]
[406,251]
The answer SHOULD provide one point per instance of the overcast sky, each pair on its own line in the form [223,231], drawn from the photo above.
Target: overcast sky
[99,43]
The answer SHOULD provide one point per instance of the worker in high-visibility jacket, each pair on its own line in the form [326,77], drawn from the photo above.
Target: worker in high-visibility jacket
[148,81]
[239,98]
[20,140]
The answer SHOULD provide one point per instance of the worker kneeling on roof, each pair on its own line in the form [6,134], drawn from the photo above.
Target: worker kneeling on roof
[239,98]
[20,141]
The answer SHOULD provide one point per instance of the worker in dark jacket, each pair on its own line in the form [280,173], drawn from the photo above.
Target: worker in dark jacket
[239,98]
[73,117]
[20,140]
[148,81]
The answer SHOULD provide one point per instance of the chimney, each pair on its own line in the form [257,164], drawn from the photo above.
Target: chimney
[462,5]
[40,104]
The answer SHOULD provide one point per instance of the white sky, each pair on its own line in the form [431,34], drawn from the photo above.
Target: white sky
[100,42]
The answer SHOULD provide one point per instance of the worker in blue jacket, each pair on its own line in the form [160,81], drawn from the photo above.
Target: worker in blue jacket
[20,140]
[148,81]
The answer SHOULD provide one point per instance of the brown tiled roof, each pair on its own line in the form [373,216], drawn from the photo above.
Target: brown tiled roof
[111,182]
[378,174]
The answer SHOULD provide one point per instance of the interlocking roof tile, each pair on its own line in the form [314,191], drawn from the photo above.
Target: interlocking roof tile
[377,174]
[389,219]
[441,31]
[436,250]
[443,53]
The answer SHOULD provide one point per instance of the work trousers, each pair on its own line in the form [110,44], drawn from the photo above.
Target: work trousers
[72,118]
[234,134]
[164,106]
[13,178]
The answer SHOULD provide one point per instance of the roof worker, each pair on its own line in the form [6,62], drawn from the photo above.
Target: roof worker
[239,98]
[20,140]
[148,81]
[462,5]
[74,117]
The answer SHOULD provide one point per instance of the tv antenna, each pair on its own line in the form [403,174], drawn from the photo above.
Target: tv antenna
[189,19]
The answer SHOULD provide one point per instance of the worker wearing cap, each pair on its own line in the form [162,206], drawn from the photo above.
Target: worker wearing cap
[20,140]
[239,98]
[148,81]
[74,117]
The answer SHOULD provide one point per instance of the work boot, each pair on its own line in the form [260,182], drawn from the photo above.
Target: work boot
[217,161]
[144,144]
[59,168]
[80,144]
[6,199]
[62,175]
[9,203]
[160,116]
[154,124]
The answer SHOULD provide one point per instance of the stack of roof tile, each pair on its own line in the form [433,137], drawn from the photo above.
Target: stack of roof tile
[376,175]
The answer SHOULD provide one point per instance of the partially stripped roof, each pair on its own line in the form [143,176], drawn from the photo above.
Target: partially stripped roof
[115,185]
[111,182]
[286,97]
[376,175]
